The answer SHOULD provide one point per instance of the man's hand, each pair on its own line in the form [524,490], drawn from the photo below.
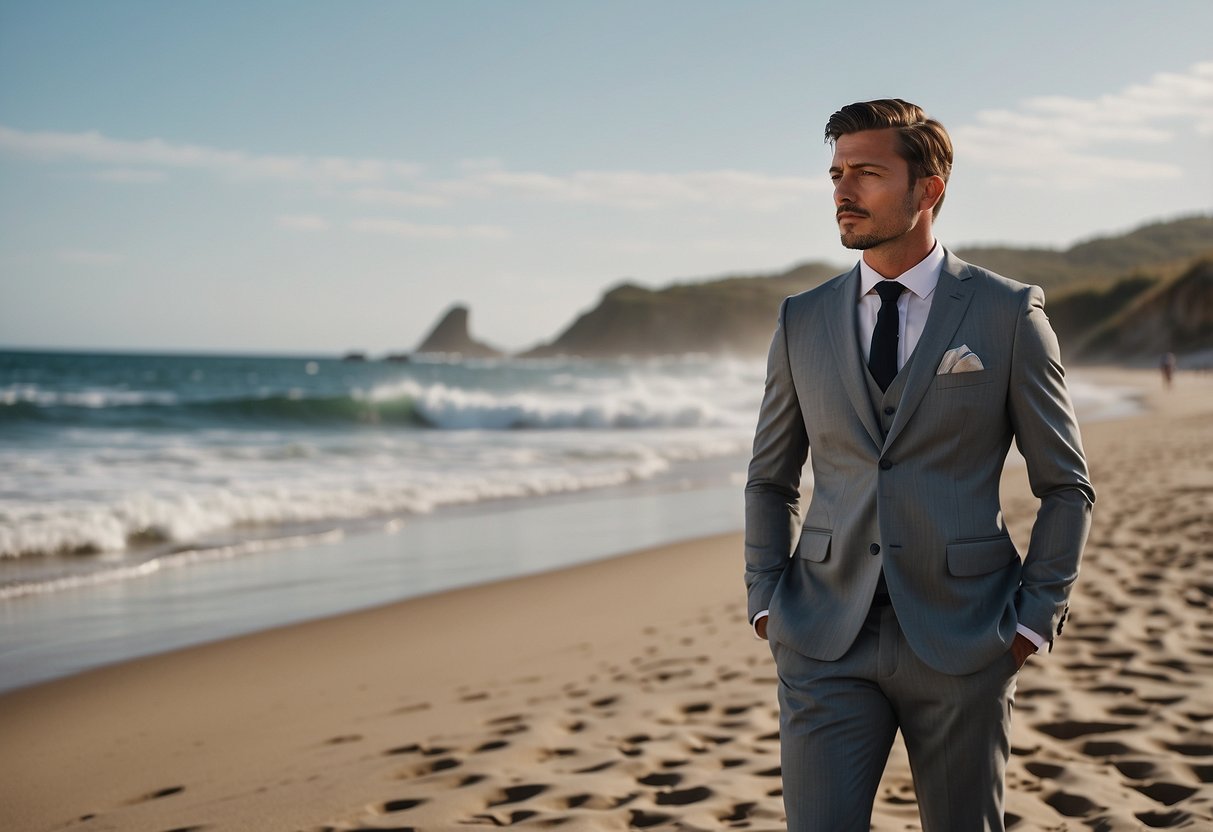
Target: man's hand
[1021,648]
[760,627]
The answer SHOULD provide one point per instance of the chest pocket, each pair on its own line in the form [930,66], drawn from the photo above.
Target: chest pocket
[970,379]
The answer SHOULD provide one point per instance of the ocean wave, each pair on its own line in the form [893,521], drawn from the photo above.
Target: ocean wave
[65,528]
[189,557]
[614,404]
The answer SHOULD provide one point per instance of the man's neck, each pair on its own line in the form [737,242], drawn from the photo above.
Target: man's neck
[894,258]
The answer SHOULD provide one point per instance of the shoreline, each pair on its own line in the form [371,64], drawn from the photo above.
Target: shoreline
[135,607]
[603,679]
[52,636]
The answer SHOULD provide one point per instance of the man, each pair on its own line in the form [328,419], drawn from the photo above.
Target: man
[901,602]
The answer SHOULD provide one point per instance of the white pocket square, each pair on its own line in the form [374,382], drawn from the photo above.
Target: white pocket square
[959,360]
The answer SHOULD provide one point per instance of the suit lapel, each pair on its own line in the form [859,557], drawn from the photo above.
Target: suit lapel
[844,336]
[948,306]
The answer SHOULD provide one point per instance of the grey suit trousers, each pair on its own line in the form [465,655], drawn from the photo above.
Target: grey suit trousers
[955,730]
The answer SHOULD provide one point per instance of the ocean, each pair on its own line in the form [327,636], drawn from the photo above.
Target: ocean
[125,475]
[148,502]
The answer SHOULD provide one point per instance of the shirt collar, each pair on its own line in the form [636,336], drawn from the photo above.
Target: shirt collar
[919,279]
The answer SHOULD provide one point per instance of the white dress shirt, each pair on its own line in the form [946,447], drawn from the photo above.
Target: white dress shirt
[912,309]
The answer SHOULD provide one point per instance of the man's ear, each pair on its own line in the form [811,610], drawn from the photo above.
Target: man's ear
[932,192]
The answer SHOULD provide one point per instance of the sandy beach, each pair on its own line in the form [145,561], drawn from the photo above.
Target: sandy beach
[629,693]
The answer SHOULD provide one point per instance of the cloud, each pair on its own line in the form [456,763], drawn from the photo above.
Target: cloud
[303,222]
[639,190]
[136,176]
[1077,143]
[78,257]
[419,231]
[91,146]
[374,181]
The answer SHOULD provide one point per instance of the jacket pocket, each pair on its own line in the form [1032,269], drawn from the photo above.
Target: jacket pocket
[814,545]
[968,379]
[982,556]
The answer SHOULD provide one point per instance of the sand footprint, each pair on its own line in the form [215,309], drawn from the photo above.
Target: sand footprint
[1045,771]
[1163,820]
[594,769]
[402,805]
[157,794]
[641,819]
[1203,773]
[1167,794]
[659,779]
[1191,749]
[1163,700]
[598,802]
[1106,748]
[432,767]
[1113,690]
[507,720]
[1070,805]
[683,797]
[491,745]
[739,812]
[506,820]
[1072,729]
[517,794]
[1135,769]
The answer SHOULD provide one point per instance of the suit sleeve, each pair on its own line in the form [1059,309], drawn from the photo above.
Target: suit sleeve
[1046,432]
[772,493]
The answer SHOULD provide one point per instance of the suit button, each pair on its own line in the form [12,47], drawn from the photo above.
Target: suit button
[885,465]
[874,548]
[890,410]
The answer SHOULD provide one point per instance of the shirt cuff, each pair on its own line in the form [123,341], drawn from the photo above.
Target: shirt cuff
[1030,635]
[764,614]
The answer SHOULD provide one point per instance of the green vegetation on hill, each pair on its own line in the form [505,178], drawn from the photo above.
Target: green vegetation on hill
[1174,315]
[1100,258]
[1079,310]
[733,315]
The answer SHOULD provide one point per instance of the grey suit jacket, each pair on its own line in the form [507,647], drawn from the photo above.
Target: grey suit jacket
[927,493]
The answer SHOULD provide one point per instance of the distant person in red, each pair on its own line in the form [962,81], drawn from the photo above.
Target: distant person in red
[1167,365]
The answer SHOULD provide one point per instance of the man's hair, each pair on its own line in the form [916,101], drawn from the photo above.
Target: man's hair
[922,142]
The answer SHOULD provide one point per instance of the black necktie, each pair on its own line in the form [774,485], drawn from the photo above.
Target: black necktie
[882,358]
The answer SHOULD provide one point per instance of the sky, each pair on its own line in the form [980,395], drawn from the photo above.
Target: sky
[315,177]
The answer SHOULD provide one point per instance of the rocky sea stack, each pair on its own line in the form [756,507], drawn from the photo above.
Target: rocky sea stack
[451,336]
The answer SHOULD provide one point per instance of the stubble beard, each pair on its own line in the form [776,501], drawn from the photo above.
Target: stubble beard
[897,227]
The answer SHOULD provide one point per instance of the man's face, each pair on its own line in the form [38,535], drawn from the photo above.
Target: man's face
[874,199]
